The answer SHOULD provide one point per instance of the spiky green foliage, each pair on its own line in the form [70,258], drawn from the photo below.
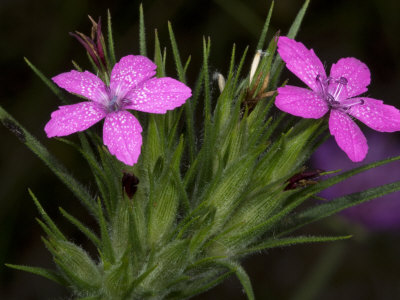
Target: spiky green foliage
[212,185]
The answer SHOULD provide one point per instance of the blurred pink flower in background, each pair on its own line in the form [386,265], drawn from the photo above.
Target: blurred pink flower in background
[381,214]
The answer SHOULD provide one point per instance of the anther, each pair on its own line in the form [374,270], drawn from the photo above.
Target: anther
[342,80]
[340,83]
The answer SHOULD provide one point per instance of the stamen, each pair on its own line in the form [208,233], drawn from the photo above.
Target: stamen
[341,83]
[320,85]
[346,105]
[125,101]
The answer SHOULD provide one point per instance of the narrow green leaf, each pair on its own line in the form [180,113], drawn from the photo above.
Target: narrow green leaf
[207,90]
[164,202]
[85,230]
[46,217]
[113,177]
[142,35]
[110,39]
[170,262]
[75,264]
[177,58]
[174,130]
[278,63]
[88,154]
[105,237]
[117,278]
[158,59]
[78,268]
[181,188]
[241,275]
[338,178]
[204,262]
[261,41]
[297,22]
[49,274]
[46,229]
[154,146]
[297,198]
[231,64]
[254,210]
[138,280]
[137,226]
[204,287]
[120,229]
[102,181]
[51,85]
[334,206]
[293,151]
[183,227]
[225,192]
[76,66]
[96,69]
[58,169]
[187,64]
[96,169]
[190,118]
[239,68]
[289,241]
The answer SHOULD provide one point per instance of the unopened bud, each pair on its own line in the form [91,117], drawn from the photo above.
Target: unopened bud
[221,82]
[254,64]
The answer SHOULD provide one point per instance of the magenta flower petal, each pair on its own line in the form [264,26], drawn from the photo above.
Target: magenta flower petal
[348,135]
[375,114]
[356,73]
[301,61]
[129,72]
[300,102]
[122,136]
[85,84]
[73,118]
[158,95]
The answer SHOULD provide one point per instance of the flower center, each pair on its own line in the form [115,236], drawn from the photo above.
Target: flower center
[113,105]
[115,102]
[333,99]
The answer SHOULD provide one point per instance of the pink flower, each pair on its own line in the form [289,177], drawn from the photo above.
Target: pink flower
[132,86]
[337,93]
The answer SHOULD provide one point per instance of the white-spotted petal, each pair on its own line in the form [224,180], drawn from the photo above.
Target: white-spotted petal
[356,74]
[375,114]
[301,61]
[73,118]
[301,102]
[122,136]
[84,84]
[130,71]
[158,95]
[348,135]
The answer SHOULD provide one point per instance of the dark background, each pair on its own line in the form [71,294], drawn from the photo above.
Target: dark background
[366,267]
